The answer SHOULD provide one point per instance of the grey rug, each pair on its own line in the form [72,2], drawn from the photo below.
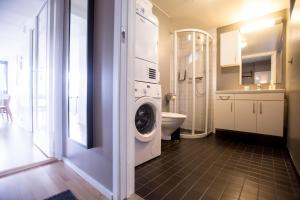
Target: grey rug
[66,195]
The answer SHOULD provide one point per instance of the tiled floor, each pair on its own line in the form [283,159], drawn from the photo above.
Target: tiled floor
[218,168]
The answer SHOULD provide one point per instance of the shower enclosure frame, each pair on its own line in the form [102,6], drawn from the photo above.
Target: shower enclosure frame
[193,135]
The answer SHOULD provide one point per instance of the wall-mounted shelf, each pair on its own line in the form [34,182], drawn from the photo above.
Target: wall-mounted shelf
[246,74]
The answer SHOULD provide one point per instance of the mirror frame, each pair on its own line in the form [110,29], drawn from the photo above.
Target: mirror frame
[90,51]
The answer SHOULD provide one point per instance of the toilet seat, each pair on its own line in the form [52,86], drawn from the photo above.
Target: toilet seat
[172,115]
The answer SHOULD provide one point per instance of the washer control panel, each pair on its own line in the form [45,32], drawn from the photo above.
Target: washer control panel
[142,89]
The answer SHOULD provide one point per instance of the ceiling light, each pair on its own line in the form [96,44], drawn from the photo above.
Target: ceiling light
[296,14]
[243,44]
[258,25]
[189,37]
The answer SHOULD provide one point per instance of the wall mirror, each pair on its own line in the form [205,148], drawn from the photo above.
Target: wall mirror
[80,74]
[261,46]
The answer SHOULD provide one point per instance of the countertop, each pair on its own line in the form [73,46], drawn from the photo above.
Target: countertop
[249,91]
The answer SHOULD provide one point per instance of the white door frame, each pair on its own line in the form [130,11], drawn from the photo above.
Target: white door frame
[123,99]
[55,59]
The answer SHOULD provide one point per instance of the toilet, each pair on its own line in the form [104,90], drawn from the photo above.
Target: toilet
[170,122]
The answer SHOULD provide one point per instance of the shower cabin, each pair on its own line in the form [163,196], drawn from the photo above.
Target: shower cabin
[191,81]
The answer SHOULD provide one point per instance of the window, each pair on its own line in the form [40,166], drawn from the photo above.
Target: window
[3,77]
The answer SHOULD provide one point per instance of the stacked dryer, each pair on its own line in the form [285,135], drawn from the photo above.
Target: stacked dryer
[147,87]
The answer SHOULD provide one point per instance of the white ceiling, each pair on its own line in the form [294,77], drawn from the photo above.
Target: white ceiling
[207,14]
[14,14]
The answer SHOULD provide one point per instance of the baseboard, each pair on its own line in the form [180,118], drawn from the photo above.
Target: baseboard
[252,137]
[294,166]
[107,193]
[27,167]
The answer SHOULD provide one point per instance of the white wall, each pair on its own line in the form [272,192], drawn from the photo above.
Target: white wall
[293,87]
[165,29]
[97,161]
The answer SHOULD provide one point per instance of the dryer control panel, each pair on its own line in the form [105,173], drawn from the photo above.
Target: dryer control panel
[142,89]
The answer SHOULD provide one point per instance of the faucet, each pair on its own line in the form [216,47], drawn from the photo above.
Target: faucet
[258,87]
[169,96]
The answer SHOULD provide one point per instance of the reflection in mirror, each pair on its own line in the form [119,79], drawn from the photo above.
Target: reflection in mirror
[78,73]
[261,53]
[257,68]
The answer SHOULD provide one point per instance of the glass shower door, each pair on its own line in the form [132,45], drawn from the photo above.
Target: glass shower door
[192,58]
[184,41]
[200,82]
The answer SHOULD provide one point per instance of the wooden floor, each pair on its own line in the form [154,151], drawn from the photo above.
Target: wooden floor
[45,181]
[16,147]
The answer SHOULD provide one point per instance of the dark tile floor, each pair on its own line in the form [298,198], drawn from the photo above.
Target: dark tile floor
[218,168]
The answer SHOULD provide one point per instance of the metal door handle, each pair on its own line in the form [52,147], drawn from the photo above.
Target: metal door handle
[260,108]
[231,107]
[123,34]
[253,108]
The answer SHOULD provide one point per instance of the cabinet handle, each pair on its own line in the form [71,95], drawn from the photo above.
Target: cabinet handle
[224,97]
[253,108]
[231,107]
[260,108]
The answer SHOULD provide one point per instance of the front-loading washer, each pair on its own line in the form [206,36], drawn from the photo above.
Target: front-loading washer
[147,120]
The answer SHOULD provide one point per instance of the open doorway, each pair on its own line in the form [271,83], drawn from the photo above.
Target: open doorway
[24,84]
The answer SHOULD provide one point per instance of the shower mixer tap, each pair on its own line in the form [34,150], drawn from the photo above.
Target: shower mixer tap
[170,96]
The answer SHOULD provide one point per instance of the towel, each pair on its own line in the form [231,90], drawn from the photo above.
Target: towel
[182,75]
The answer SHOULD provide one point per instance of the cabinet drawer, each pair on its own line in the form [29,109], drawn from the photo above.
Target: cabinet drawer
[246,96]
[270,96]
[224,96]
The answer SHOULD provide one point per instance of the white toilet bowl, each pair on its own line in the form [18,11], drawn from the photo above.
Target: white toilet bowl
[170,122]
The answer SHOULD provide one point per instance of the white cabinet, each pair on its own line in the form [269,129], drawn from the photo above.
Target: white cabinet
[270,117]
[245,115]
[261,113]
[230,50]
[224,114]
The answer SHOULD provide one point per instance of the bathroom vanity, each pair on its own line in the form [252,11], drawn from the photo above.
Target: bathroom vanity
[254,111]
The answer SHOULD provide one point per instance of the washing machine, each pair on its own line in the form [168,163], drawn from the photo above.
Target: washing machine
[146,43]
[147,120]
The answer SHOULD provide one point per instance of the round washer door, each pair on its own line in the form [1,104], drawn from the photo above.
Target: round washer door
[145,119]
